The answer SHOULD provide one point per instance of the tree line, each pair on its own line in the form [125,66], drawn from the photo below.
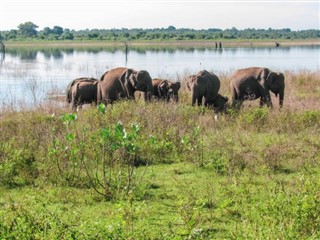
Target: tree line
[28,31]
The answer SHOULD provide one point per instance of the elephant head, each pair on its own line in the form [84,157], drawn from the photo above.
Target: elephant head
[190,81]
[220,103]
[276,85]
[165,89]
[162,89]
[122,83]
[137,81]
[172,89]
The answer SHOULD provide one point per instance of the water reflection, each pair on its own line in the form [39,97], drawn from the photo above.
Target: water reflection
[58,53]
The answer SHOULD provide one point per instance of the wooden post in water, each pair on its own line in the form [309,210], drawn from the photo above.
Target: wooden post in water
[3,50]
[126,52]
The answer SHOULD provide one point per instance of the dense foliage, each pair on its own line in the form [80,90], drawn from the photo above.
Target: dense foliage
[29,31]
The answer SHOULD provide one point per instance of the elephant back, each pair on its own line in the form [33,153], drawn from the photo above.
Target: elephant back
[212,82]
[73,83]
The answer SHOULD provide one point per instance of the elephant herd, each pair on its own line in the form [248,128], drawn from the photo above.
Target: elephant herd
[122,83]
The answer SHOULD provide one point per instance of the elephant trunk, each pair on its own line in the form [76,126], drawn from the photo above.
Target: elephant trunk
[149,94]
[281,97]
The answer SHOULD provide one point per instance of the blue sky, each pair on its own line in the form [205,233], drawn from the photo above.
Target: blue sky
[104,14]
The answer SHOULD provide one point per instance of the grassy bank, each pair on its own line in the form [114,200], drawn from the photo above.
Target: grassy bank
[164,171]
[182,43]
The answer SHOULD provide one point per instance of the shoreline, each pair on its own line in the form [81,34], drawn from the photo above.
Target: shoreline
[224,43]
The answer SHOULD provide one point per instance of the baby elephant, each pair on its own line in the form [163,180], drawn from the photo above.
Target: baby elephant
[82,91]
[165,89]
[220,104]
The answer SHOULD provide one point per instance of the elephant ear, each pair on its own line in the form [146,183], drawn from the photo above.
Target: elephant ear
[163,84]
[280,76]
[127,76]
[142,77]
[190,80]
[271,78]
[162,87]
[178,86]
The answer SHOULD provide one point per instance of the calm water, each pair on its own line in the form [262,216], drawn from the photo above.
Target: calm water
[29,77]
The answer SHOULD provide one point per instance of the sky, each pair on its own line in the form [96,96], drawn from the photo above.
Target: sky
[201,14]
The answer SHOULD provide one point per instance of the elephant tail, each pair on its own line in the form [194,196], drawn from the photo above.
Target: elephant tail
[69,89]
[69,93]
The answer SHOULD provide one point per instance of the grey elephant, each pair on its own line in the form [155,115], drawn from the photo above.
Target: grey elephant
[121,83]
[256,82]
[204,87]
[82,91]
[165,89]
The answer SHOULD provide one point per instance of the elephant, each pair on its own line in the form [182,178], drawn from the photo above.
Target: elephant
[121,83]
[220,103]
[256,82]
[203,86]
[165,89]
[82,91]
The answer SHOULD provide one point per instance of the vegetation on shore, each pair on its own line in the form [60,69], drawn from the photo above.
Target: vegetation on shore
[141,170]
[28,31]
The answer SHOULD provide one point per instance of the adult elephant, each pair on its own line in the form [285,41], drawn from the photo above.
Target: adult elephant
[82,91]
[165,89]
[204,87]
[256,82]
[122,83]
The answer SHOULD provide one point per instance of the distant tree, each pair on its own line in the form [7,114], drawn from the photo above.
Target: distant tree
[47,31]
[67,34]
[27,29]
[57,30]
[12,34]
[171,28]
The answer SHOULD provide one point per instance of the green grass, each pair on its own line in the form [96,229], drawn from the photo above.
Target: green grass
[171,171]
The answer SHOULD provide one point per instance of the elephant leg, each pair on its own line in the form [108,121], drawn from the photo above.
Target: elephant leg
[207,103]
[237,103]
[199,100]
[73,105]
[265,100]
[262,101]
[194,99]
[268,101]
[79,107]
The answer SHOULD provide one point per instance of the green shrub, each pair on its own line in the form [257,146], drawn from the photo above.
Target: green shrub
[17,165]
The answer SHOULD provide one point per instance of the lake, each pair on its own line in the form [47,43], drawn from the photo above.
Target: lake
[30,76]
